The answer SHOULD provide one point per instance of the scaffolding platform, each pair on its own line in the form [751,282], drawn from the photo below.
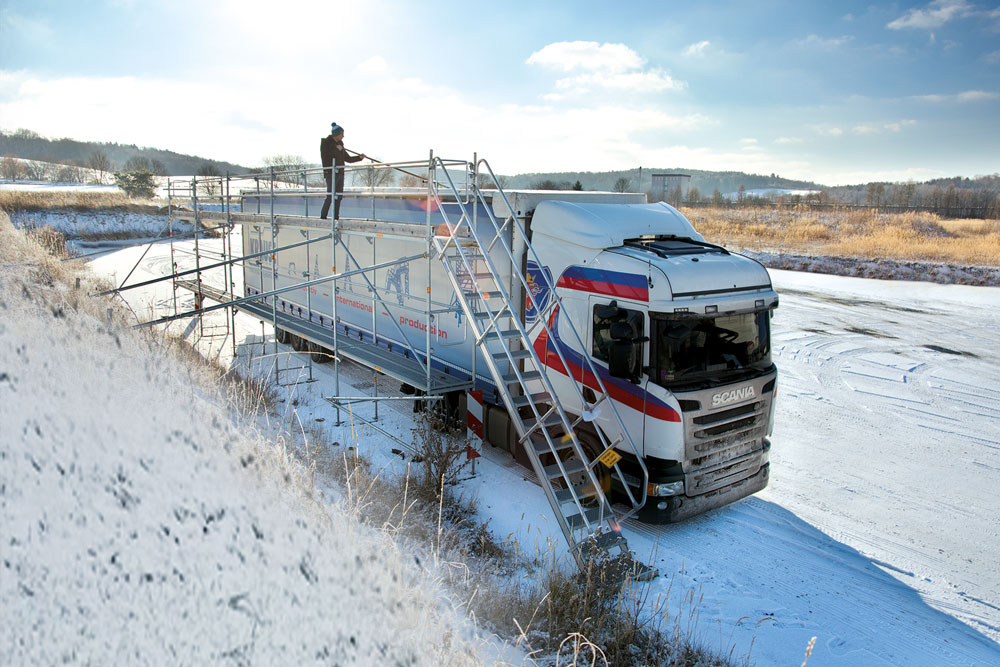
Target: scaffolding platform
[213,293]
[404,369]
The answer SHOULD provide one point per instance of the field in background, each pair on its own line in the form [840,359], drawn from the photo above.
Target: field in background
[866,234]
[71,200]
[857,233]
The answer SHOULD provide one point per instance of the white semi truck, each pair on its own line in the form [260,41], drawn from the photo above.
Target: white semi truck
[548,312]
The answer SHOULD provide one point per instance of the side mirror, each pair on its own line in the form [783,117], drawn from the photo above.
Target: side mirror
[620,360]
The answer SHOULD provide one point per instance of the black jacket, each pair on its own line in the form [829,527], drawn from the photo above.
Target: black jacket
[333,153]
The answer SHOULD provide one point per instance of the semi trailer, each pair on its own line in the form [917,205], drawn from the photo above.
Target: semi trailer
[588,318]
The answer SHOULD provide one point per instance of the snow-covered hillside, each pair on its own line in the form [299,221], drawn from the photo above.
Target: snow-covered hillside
[141,525]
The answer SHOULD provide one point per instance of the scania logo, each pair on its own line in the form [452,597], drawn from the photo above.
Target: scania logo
[733,395]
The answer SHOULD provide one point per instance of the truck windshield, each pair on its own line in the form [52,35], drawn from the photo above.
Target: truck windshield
[686,348]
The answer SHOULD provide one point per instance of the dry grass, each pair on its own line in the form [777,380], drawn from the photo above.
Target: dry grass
[858,233]
[539,603]
[40,200]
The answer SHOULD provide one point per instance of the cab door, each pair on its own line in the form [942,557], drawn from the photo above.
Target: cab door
[607,350]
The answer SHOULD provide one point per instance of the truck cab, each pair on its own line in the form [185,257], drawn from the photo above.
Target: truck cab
[680,331]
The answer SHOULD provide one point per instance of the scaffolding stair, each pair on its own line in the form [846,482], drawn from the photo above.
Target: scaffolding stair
[574,485]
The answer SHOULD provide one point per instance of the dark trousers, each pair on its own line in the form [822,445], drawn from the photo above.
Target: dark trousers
[333,194]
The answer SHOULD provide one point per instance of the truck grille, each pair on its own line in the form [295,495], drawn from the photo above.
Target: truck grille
[708,431]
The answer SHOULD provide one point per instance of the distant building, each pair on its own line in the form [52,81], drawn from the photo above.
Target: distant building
[664,184]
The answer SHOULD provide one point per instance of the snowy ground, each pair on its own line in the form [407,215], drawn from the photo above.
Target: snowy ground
[878,532]
[142,524]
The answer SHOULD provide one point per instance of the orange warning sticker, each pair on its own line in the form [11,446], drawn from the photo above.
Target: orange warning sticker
[609,458]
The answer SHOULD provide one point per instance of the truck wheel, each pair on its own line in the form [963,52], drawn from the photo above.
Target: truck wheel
[281,335]
[318,353]
[298,344]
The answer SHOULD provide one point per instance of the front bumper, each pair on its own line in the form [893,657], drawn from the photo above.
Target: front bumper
[677,508]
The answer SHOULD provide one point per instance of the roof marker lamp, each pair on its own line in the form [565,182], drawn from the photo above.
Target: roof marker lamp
[711,309]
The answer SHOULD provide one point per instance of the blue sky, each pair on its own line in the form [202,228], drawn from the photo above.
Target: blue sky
[837,93]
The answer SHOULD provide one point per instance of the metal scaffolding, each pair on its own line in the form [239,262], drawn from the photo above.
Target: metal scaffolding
[274,214]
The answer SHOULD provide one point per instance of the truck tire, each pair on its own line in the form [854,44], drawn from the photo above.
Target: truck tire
[281,335]
[298,344]
[318,353]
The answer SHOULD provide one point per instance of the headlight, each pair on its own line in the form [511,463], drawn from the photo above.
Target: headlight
[668,489]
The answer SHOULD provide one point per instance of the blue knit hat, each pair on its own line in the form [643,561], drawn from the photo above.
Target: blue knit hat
[336,129]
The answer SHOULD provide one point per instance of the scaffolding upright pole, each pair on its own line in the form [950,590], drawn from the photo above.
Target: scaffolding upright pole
[274,276]
[430,247]
[228,247]
[334,238]
[198,297]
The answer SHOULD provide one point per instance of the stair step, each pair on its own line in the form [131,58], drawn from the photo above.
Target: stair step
[483,316]
[514,354]
[605,542]
[484,295]
[509,333]
[533,399]
[572,466]
[592,514]
[582,492]
[548,421]
[541,445]
[510,378]
[482,275]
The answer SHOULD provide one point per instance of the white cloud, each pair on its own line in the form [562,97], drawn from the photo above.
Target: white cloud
[829,131]
[824,43]
[959,98]
[374,66]
[591,56]
[899,125]
[788,140]
[609,67]
[653,81]
[992,58]
[935,15]
[864,129]
[696,49]
[976,96]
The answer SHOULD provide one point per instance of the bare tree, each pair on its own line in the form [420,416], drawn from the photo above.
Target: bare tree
[39,171]
[70,173]
[99,162]
[287,168]
[372,177]
[212,182]
[137,163]
[622,185]
[10,168]
[674,196]
[875,193]
[412,181]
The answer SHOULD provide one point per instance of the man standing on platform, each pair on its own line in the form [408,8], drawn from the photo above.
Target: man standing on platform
[334,156]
